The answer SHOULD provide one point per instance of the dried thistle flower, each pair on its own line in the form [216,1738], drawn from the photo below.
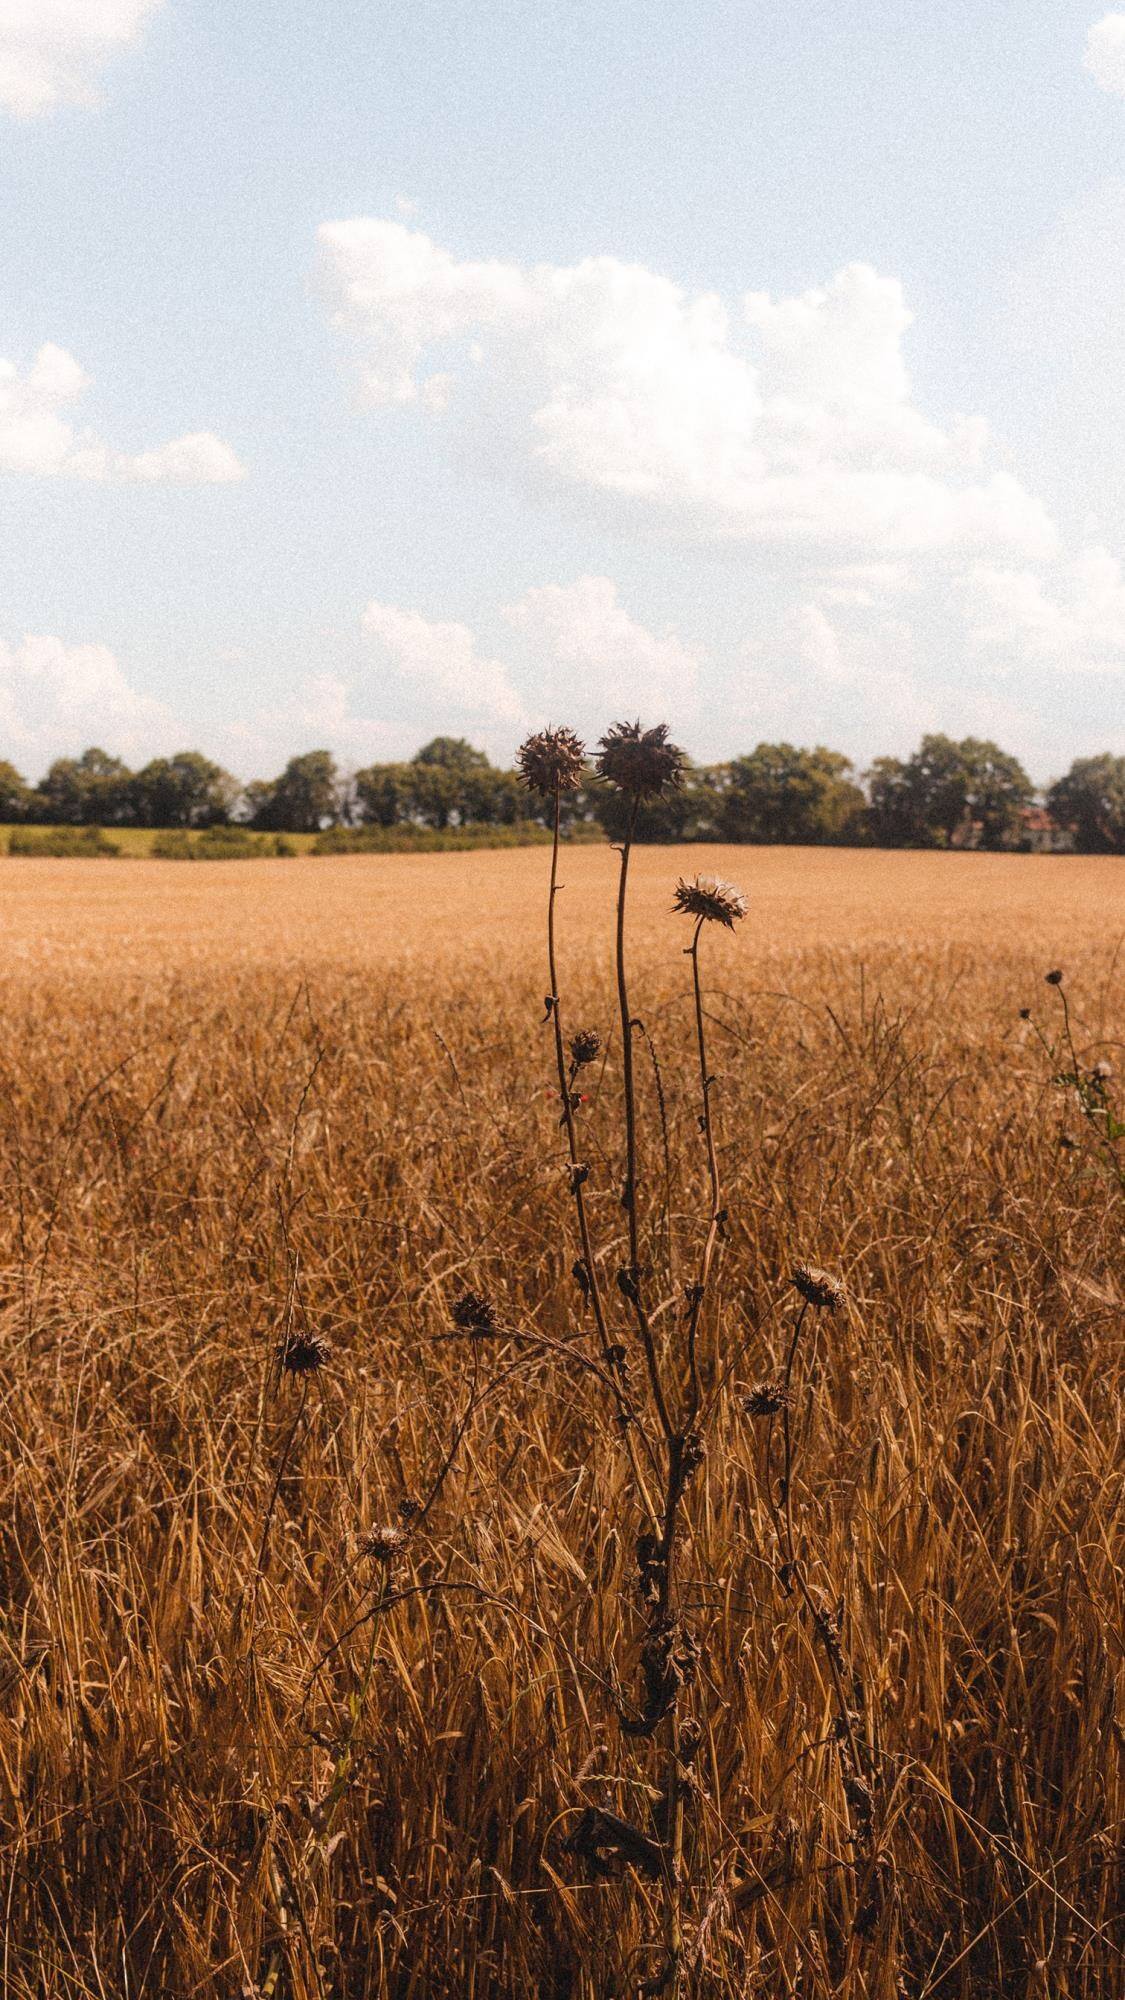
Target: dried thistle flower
[819,1288]
[474,1313]
[766,1399]
[382,1545]
[551,761]
[711,900]
[305,1353]
[585,1046]
[640,761]
[1053,978]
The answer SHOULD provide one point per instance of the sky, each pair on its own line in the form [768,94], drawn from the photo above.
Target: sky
[459,366]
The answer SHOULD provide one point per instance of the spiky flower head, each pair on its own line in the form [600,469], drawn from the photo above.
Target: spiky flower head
[766,1399]
[473,1313]
[819,1288]
[711,900]
[383,1545]
[551,761]
[1053,978]
[305,1353]
[640,761]
[585,1046]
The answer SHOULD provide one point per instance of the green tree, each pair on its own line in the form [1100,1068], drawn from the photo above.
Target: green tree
[255,802]
[939,779]
[304,798]
[450,782]
[183,790]
[434,792]
[14,794]
[947,788]
[381,794]
[1091,799]
[781,793]
[999,789]
[452,753]
[493,798]
[91,790]
[894,815]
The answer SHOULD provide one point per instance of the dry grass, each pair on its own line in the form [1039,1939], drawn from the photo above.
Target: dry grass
[240,1100]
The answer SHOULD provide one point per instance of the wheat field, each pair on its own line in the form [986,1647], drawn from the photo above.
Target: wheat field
[329,1679]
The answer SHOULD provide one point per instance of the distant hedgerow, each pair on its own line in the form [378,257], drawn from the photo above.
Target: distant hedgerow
[218,843]
[61,842]
[427,839]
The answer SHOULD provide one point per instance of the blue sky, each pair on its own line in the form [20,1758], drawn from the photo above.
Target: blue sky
[372,371]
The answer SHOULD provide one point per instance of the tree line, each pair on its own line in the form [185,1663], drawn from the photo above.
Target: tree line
[946,793]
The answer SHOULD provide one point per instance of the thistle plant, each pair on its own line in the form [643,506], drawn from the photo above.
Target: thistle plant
[550,764]
[1088,1085]
[643,764]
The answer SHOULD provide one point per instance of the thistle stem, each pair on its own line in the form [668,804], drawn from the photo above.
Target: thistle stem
[715,1220]
[625,1412]
[629,1191]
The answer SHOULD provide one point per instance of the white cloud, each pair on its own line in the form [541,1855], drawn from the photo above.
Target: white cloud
[850,683]
[1105,54]
[199,459]
[789,423]
[52,50]
[594,656]
[318,714]
[435,672]
[36,437]
[818,643]
[56,699]
[1074,618]
[572,652]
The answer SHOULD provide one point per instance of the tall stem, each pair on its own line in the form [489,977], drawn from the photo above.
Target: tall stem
[625,1412]
[629,1191]
[715,1218]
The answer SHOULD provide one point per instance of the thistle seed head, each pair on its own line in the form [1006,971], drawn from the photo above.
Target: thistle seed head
[474,1313]
[383,1545]
[819,1288]
[551,760]
[710,899]
[1053,978]
[305,1353]
[766,1399]
[585,1046]
[640,761]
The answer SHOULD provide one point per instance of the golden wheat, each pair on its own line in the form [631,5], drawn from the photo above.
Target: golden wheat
[250,1109]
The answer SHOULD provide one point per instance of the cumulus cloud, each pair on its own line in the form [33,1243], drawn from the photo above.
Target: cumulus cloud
[57,699]
[1105,54]
[51,51]
[569,652]
[852,680]
[1073,618]
[784,422]
[594,656]
[318,714]
[37,437]
[435,670]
